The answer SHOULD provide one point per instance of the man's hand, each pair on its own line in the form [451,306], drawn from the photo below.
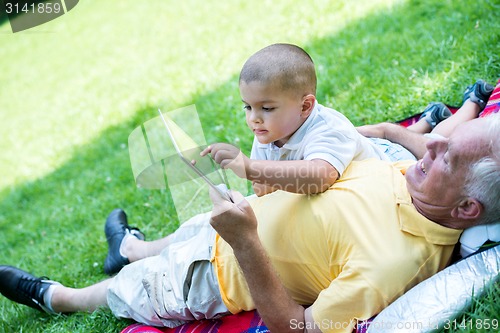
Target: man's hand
[237,225]
[228,157]
[234,222]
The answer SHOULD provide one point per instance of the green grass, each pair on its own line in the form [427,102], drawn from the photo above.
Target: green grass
[72,90]
[483,315]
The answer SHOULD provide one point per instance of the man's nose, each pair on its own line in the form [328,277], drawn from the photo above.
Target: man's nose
[436,146]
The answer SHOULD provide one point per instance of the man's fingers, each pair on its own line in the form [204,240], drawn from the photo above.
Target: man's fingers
[236,196]
[216,197]
[222,207]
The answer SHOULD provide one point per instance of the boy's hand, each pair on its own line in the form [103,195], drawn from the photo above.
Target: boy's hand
[228,157]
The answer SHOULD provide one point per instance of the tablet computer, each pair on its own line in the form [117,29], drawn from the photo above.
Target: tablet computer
[201,165]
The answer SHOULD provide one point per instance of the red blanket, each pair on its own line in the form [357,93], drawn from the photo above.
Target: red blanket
[241,322]
[244,322]
[493,105]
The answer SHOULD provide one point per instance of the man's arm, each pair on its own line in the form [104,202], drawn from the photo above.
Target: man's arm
[414,142]
[237,225]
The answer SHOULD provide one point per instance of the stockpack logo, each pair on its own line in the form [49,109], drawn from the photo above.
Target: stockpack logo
[26,14]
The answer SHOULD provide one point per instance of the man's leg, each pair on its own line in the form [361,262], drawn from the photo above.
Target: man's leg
[432,115]
[90,298]
[135,249]
[468,111]
[127,244]
[173,287]
[47,295]
[127,294]
[475,98]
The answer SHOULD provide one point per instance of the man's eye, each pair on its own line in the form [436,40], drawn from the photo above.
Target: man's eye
[446,159]
[247,107]
[267,109]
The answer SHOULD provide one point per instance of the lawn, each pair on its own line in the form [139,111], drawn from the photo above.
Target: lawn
[73,89]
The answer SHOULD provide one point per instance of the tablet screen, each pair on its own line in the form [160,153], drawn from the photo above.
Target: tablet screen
[189,152]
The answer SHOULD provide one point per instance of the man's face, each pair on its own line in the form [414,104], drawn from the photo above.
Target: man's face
[436,181]
[271,114]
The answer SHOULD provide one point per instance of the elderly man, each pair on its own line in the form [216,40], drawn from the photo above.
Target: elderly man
[306,263]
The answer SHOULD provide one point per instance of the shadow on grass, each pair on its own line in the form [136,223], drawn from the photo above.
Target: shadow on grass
[373,70]
[3,16]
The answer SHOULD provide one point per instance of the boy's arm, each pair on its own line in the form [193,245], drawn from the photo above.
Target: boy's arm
[261,189]
[414,142]
[303,176]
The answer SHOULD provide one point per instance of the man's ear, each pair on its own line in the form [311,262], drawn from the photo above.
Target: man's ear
[308,102]
[469,209]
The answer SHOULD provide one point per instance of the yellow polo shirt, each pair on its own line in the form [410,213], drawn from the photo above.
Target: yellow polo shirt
[348,252]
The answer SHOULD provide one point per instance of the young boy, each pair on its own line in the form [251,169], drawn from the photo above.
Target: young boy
[300,146]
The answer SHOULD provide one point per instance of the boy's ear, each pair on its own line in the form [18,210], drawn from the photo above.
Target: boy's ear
[308,102]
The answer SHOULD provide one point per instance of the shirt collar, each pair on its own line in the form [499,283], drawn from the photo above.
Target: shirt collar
[419,225]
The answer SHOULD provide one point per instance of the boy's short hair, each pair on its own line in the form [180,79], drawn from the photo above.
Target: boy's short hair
[287,65]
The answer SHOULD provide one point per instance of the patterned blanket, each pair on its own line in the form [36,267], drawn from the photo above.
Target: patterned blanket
[244,322]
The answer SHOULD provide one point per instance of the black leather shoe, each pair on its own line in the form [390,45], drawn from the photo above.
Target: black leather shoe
[116,228]
[22,287]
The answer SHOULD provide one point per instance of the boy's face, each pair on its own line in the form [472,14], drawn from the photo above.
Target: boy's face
[272,114]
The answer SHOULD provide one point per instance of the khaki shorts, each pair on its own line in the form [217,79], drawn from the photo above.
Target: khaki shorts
[175,287]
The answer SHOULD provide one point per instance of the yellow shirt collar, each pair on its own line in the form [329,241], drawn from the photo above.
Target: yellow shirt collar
[420,226]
